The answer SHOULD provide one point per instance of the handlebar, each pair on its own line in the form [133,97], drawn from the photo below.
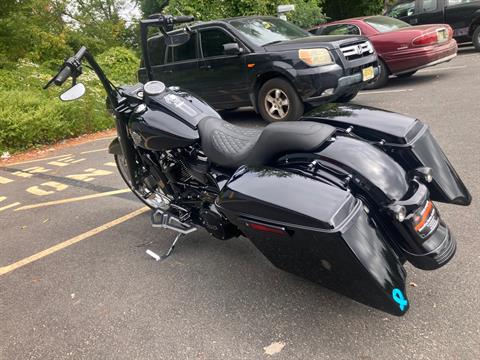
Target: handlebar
[183,19]
[166,21]
[70,66]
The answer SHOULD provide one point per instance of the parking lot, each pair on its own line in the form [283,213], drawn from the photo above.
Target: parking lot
[75,281]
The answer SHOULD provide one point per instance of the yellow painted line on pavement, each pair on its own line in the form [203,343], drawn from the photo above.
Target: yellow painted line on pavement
[69,200]
[30,161]
[4,180]
[6,207]
[92,151]
[9,268]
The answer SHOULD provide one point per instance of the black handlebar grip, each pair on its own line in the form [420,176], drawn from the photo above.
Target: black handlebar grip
[62,75]
[183,19]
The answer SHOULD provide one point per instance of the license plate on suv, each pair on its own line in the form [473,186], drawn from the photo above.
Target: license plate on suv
[368,73]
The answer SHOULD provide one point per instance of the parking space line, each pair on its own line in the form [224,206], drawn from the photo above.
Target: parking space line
[4,180]
[92,151]
[31,161]
[74,199]
[383,91]
[6,207]
[9,268]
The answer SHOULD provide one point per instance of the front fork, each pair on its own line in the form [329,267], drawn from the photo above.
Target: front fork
[126,145]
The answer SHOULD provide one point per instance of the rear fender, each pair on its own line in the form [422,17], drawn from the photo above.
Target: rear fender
[405,139]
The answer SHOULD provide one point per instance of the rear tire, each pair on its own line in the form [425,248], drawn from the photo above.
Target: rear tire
[278,101]
[347,97]
[382,79]
[476,38]
[406,75]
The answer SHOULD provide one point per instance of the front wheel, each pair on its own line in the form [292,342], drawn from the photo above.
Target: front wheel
[382,78]
[476,38]
[279,101]
[154,199]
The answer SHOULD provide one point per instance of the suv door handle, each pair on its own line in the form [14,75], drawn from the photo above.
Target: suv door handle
[206,67]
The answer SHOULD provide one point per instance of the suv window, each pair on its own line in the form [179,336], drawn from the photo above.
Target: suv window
[183,52]
[213,41]
[341,29]
[402,10]
[429,5]
[156,50]
[458,2]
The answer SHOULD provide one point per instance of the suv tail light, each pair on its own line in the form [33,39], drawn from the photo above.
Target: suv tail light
[425,39]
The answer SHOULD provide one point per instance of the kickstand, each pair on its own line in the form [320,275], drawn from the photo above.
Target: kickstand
[167,254]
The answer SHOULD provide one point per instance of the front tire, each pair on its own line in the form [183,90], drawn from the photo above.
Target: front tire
[382,79]
[278,101]
[476,38]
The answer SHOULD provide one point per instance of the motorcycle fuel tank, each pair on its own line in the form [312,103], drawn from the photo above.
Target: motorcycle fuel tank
[168,119]
[316,231]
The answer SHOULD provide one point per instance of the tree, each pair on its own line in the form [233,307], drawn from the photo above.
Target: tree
[98,24]
[343,9]
[31,29]
[307,13]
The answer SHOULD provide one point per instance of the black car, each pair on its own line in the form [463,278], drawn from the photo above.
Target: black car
[261,61]
[462,15]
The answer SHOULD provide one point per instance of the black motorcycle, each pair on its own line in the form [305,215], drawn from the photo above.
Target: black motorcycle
[343,197]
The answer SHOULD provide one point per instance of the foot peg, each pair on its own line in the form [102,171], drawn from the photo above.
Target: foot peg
[165,220]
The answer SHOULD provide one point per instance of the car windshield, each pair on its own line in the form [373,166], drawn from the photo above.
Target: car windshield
[385,24]
[264,31]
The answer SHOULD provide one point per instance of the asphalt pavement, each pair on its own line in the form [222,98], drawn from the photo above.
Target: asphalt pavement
[75,282]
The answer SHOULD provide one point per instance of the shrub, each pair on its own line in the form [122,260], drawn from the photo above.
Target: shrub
[30,116]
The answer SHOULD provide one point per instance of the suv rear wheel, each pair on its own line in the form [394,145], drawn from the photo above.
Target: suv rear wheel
[476,38]
[278,101]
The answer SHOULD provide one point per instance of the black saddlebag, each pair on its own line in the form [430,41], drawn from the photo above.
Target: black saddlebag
[316,231]
[406,139]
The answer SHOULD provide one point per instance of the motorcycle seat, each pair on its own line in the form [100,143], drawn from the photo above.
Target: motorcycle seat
[230,145]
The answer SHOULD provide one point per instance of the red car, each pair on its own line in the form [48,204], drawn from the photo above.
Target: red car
[402,49]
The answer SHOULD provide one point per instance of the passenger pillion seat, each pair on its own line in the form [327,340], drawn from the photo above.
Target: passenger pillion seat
[230,146]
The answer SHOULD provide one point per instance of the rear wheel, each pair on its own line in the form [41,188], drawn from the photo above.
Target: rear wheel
[347,97]
[406,75]
[155,200]
[382,78]
[476,38]
[278,101]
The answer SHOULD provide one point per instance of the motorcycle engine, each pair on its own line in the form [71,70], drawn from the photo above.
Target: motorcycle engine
[217,225]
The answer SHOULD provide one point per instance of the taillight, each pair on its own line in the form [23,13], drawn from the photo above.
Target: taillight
[425,219]
[425,39]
